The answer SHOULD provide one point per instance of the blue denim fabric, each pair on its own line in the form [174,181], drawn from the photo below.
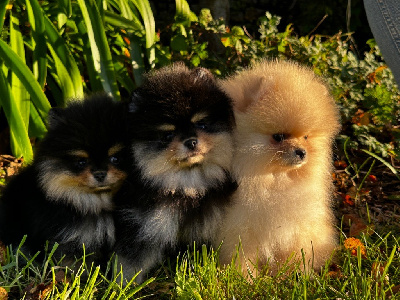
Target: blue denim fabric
[384,20]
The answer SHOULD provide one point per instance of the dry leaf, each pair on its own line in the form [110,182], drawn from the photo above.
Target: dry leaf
[377,269]
[357,225]
[3,252]
[393,290]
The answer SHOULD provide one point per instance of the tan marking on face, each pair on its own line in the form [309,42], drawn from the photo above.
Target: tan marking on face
[115,149]
[198,117]
[79,153]
[193,176]
[167,127]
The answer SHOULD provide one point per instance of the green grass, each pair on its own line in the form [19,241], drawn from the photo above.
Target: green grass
[197,275]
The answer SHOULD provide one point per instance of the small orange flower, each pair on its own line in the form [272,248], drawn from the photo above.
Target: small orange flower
[353,245]
[3,294]
[347,200]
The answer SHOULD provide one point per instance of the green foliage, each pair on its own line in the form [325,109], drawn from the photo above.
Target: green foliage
[363,87]
[51,52]
[372,276]
[25,277]
[91,47]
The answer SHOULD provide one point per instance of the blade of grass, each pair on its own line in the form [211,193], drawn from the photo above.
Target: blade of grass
[183,11]
[20,95]
[3,9]
[36,126]
[99,46]
[390,167]
[146,13]
[65,6]
[94,77]
[20,143]
[61,53]
[36,19]
[66,84]
[16,65]
[122,22]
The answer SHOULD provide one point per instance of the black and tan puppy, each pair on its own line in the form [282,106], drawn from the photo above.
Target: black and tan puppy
[181,131]
[65,196]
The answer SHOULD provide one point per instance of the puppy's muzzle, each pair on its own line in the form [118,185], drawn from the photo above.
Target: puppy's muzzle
[191,143]
[300,154]
[100,175]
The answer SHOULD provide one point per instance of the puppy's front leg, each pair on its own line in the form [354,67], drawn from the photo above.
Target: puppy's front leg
[145,258]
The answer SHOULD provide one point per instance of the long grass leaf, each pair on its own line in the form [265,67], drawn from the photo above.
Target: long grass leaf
[122,22]
[36,19]
[20,95]
[20,144]
[138,66]
[390,167]
[99,46]
[94,76]
[183,11]
[66,84]
[37,128]
[3,9]
[146,13]
[59,48]
[66,7]
[17,66]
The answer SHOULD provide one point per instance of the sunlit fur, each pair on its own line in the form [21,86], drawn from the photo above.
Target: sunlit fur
[282,204]
[65,196]
[179,190]
[81,190]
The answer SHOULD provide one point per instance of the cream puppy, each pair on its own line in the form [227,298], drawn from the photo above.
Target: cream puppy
[286,124]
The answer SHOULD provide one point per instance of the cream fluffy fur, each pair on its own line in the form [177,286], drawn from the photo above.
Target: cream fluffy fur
[282,204]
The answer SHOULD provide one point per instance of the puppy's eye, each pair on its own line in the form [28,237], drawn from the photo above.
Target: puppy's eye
[306,137]
[168,136]
[81,163]
[114,160]
[279,137]
[202,125]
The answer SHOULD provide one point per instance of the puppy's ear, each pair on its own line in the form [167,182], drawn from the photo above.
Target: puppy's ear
[135,98]
[250,92]
[55,117]
[201,74]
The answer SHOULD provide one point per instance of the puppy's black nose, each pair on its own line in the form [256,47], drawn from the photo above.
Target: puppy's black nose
[190,143]
[100,175]
[300,153]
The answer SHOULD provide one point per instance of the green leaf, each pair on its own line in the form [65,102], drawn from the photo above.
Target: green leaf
[146,13]
[37,128]
[62,55]
[122,22]
[66,84]
[137,59]
[20,143]
[17,66]
[391,168]
[19,93]
[66,7]
[99,47]
[183,12]
[179,43]
[3,9]
[36,19]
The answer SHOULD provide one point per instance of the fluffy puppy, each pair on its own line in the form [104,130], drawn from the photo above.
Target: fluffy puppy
[181,131]
[286,122]
[65,196]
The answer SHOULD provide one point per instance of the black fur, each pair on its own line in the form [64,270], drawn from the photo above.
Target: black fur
[153,222]
[27,208]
